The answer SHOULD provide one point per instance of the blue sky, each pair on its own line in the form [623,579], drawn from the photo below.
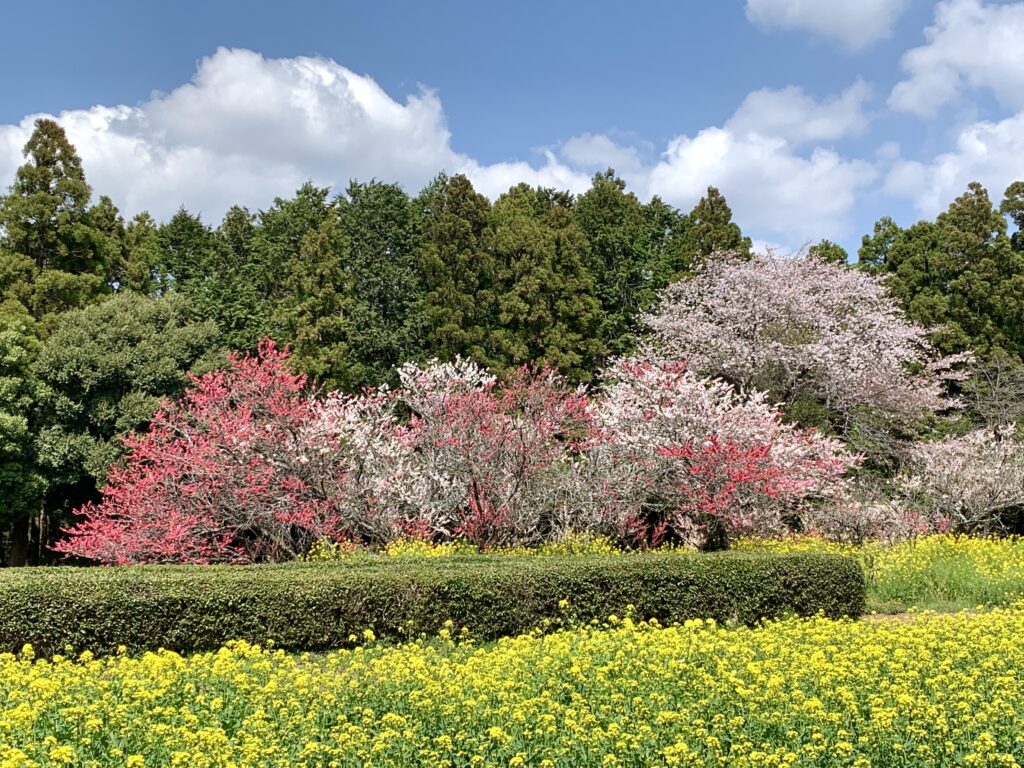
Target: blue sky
[813,117]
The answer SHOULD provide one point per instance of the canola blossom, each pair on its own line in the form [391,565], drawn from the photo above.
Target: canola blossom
[925,690]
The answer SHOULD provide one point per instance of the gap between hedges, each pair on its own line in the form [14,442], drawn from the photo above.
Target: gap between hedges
[317,606]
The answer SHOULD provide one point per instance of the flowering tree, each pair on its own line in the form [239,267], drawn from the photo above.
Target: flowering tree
[806,331]
[494,452]
[688,455]
[245,467]
[967,483]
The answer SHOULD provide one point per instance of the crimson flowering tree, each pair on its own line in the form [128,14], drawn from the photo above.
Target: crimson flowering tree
[681,454]
[495,452]
[221,476]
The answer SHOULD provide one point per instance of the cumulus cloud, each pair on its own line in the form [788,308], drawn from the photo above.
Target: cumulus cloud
[854,24]
[989,152]
[247,129]
[771,188]
[972,44]
[791,114]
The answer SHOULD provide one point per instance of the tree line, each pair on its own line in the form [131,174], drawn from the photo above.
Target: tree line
[101,318]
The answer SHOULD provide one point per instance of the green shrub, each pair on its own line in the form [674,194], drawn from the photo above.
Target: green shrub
[313,606]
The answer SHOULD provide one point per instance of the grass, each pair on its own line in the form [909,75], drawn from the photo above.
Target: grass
[937,573]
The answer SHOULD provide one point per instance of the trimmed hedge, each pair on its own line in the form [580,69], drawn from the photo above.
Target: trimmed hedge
[315,606]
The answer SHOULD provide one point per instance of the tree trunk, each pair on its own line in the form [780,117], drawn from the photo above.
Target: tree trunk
[19,542]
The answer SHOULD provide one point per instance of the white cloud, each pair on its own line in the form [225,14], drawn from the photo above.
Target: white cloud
[247,129]
[791,114]
[989,152]
[971,44]
[855,24]
[771,189]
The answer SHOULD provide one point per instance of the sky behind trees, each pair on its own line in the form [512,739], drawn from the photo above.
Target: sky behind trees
[813,118]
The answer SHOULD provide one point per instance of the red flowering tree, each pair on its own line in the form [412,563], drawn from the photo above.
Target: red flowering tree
[221,476]
[687,456]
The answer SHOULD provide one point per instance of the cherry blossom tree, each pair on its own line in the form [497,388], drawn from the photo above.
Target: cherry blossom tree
[827,342]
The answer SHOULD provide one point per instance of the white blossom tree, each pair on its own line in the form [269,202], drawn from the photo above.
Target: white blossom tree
[967,483]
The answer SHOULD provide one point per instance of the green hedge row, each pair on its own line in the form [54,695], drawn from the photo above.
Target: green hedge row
[309,606]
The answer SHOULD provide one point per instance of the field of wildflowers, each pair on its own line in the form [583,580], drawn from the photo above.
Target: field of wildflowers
[925,690]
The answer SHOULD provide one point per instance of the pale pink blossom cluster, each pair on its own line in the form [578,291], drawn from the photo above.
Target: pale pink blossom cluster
[968,483]
[799,327]
[693,455]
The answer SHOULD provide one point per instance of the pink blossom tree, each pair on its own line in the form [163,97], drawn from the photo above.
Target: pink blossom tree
[679,453]
[811,334]
[968,483]
[493,452]
[246,467]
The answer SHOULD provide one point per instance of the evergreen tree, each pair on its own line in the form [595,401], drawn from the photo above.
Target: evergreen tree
[671,254]
[620,256]
[140,262]
[1013,206]
[712,228]
[22,483]
[959,274]
[187,252]
[381,225]
[315,315]
[458,271]
[548,310]
[47,223]
[102,373]
[828,252]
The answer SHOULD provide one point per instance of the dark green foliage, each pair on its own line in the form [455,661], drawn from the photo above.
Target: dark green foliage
[633,251]
[959,274]
[1013,206]
[315,315]
[829,252]
[21,481]
[458,270]
[55,249]
[220,273]
[548,311]
[381,226]
[308,606]
[712,229]
[102,373]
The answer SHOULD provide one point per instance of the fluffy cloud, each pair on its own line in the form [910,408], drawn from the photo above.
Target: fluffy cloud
[971,44]
[989,152]
[247,128]
[791,114]
[772,189]
[854,24]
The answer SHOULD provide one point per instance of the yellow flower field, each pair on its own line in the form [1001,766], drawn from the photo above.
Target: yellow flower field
[925,690]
